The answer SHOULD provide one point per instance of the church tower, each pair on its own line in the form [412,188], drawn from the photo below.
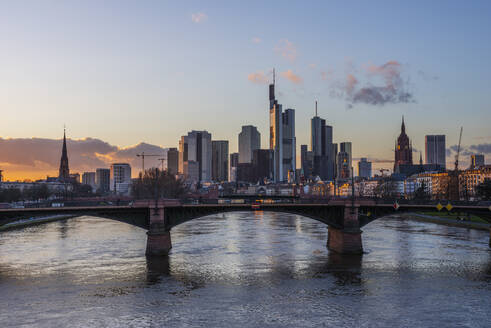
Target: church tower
[64,173]
[403,149]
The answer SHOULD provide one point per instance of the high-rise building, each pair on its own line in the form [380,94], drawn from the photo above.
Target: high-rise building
[102,180]
[345,147]
[477,160]
[88,178]
[219,160]
[262,163]
[64,171]
[403,149]
[196,147]
[344,169]
[364,168]
[234,162]
[120,180]
[276,133]
[307,161]
[289,144]
[172,160]
[435,151]
[249,140]
[324,162]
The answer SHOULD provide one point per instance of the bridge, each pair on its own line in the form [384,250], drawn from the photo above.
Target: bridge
[344,218]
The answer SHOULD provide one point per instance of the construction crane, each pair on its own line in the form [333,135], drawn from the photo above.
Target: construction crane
[143,155]
[458,151]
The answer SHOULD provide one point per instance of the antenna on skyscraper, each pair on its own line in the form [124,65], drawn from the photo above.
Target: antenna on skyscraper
[316,108]
[274,77]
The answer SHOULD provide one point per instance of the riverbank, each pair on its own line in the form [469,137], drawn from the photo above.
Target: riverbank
[446,221]
[34,220]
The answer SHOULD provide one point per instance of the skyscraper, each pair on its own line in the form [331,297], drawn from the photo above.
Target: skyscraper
[477,160]
[322,148]
[307,160]
[435,151]
[196,147]
[289,147]
[219,161]
[234,162]
[102,180]
[64,172]
[120,179]
[249,140]
[403,149]
[275,133]
[364,168]
[172,160]
[88,178]
[344,169]
[345,147]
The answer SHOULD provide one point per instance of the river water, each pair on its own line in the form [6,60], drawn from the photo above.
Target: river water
[244,270]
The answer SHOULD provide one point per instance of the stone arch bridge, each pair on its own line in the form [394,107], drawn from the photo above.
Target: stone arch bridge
[344,218]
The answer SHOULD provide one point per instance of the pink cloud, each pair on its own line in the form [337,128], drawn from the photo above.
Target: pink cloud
[199,17]
[287,50]
[292,77]
[258,77]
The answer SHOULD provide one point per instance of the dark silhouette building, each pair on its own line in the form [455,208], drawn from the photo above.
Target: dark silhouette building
[64,172]
[262,163]
[403,149]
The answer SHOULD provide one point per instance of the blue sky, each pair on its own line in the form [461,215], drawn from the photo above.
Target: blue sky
[145,71]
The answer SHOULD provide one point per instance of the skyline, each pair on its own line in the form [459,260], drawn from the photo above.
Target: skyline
[59,69]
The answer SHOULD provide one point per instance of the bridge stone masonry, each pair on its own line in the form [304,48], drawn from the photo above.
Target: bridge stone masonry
[344,217]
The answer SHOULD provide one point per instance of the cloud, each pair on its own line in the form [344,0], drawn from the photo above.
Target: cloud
[287,50]
[384,84]
[38,157]
[484,148]
[258,77]
[199,17]
[256,40]
[289,75]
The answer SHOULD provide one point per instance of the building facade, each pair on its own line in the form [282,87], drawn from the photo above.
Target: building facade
[196,147]
[364,168]
[88,178]
[120,179]
[435,151]
[289,145]
[102,180]
[219,160]
[249,140]
[173,161]
[477,160]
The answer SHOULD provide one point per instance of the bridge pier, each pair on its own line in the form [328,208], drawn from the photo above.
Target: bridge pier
[158,235]
[348,239]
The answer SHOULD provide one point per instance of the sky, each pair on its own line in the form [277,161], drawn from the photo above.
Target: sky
[137,75]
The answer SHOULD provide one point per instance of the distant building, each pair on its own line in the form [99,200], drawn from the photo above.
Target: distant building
[196,147]
[364,168]
[477,160]
[102,180]
[276,133]
[321,143]
[249,140]
[64,171]
[289,150]
[219,160]
[307,161]
[345,147]
[403,149]
[173,161]
[234,162]
[344,169]
[88,178]
[120,179]
[435,151]
[262,163]
[191,171]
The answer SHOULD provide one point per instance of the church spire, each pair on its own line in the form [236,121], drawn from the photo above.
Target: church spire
[420,159]
[403,126]
[64,172]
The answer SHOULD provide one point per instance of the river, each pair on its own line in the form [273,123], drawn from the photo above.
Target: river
[244,270]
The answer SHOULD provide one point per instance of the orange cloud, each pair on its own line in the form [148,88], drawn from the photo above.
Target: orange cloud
[289,75]
[258,77]
[287,50]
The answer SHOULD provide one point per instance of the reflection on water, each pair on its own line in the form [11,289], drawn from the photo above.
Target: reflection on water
[244,270]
